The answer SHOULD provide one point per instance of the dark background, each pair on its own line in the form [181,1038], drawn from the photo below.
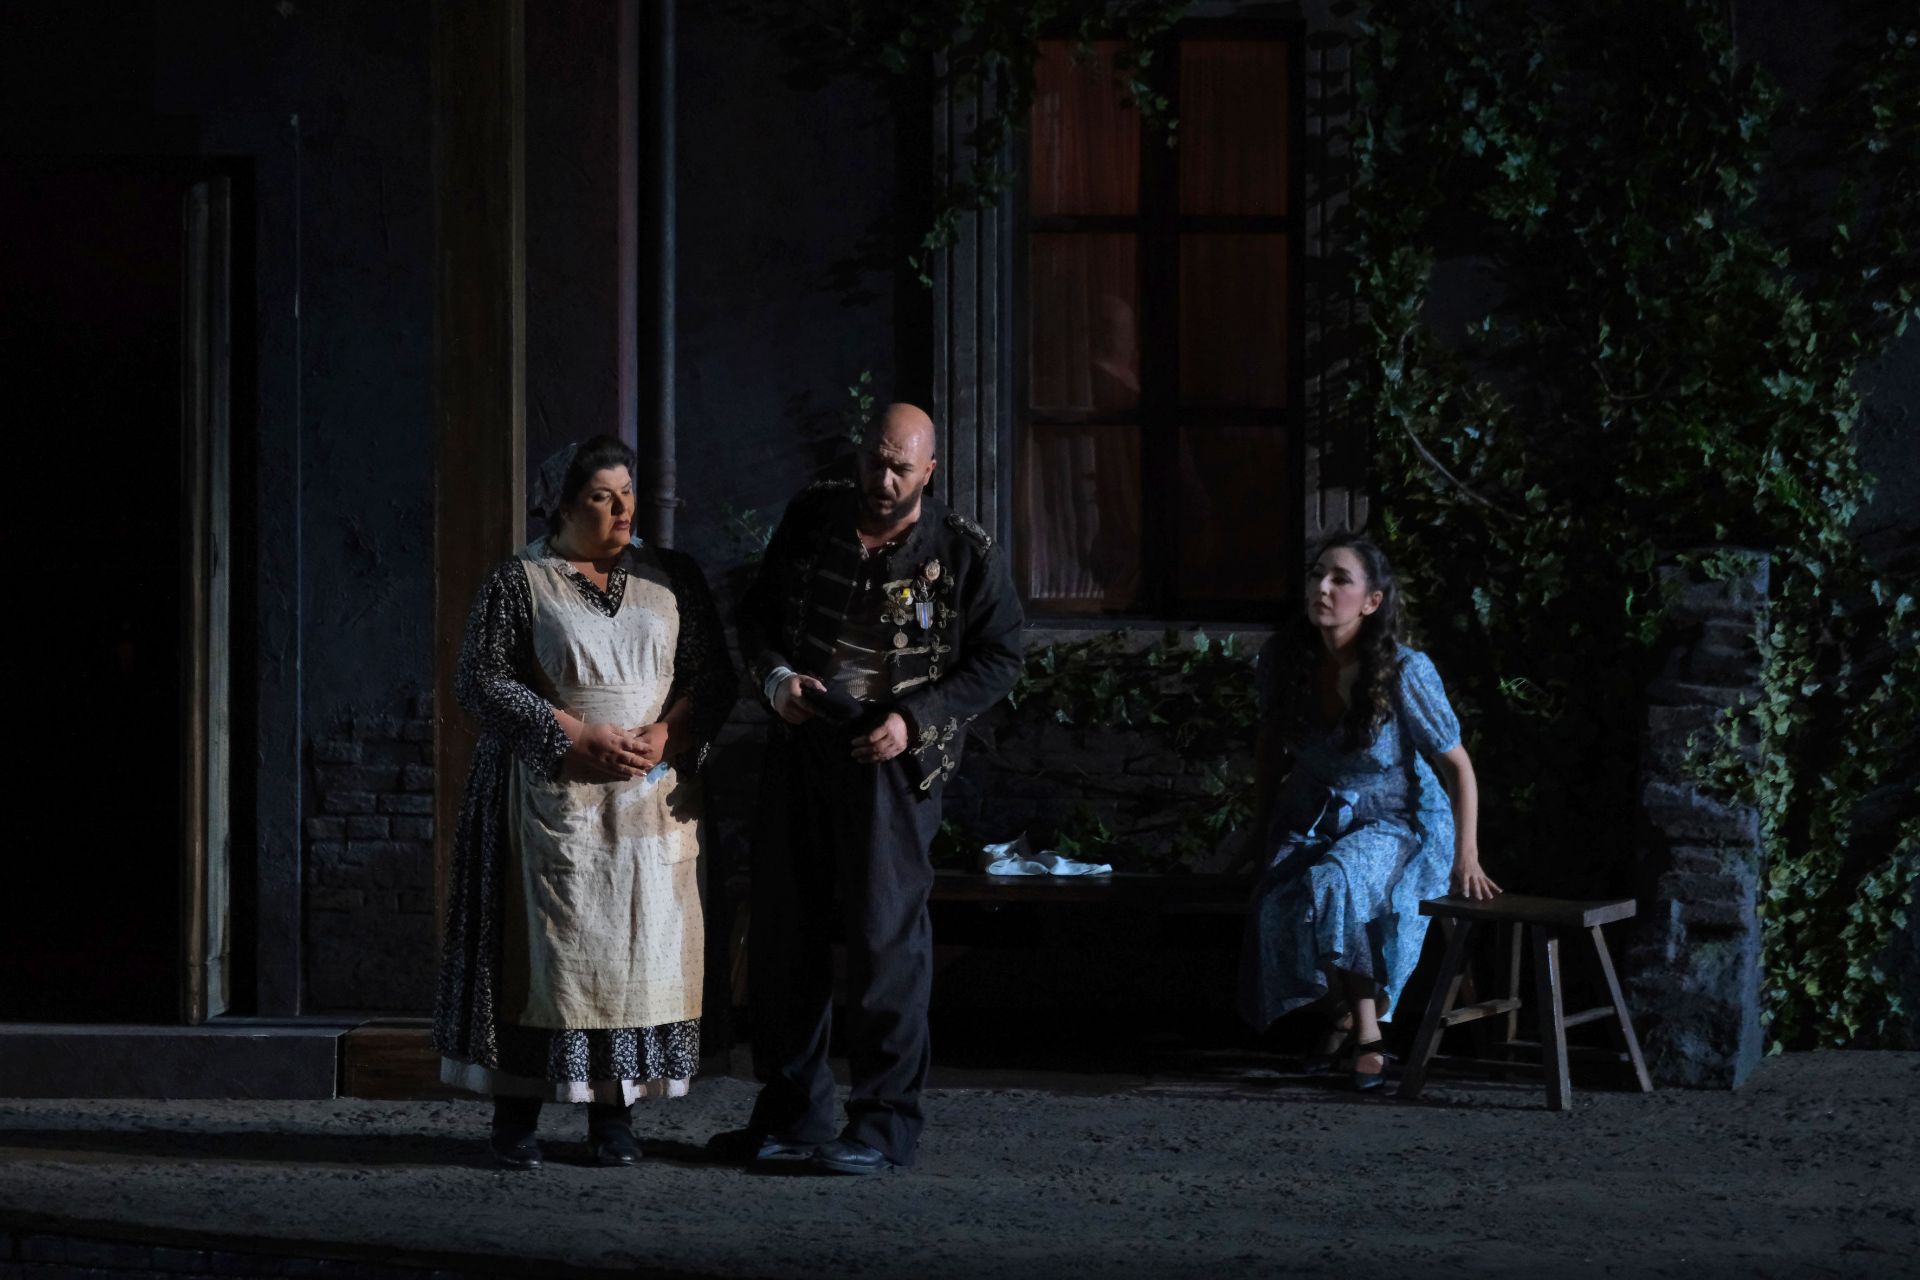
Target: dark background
[319,113]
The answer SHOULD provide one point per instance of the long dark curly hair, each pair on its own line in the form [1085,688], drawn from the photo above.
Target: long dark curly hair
[1300,653]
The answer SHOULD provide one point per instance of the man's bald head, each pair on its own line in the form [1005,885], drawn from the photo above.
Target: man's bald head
[908,428]
[895,464]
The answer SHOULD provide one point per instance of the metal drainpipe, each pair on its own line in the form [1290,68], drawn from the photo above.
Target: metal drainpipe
[627,141]
[657,435]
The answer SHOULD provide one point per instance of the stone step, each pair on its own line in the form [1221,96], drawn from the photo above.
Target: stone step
[227,1058]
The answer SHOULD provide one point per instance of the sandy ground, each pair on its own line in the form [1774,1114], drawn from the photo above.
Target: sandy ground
[1813,1169]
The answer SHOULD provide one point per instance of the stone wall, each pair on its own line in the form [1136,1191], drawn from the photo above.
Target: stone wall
[1037,779]
[368,865]
[1025,774]
[1693,971]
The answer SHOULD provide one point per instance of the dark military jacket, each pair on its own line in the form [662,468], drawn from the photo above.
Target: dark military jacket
[945,571]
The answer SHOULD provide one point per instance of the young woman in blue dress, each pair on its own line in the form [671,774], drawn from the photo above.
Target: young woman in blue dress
[1377,811]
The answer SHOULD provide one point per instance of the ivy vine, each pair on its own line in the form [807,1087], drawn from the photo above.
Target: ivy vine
[1678,276]
[1191,701]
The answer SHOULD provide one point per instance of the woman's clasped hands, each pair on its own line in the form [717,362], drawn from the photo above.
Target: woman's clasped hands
[609,753]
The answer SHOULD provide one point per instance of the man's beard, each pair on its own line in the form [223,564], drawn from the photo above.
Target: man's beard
[907,503]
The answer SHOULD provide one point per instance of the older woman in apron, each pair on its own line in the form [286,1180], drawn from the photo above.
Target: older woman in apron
[571,966]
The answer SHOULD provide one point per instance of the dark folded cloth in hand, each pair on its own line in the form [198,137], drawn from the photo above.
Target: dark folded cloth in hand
[833,703]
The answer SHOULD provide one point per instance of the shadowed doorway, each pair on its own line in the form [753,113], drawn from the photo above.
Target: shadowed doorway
[115,284]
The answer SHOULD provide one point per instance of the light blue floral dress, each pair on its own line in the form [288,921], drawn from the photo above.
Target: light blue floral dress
[1358,839]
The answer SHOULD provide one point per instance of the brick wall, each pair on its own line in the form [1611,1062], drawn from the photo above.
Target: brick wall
[369,941]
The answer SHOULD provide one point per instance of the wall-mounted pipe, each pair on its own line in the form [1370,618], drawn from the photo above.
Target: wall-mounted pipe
[656,426]
[628,144]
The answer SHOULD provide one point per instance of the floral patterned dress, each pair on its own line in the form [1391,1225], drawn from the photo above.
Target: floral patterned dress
[1358,840]
[498,682]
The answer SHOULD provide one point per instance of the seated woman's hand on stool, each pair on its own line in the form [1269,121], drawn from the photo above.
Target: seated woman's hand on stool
[1456,773]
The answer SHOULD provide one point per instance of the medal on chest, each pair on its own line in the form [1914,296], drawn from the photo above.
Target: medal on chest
[923,593]
[900,608]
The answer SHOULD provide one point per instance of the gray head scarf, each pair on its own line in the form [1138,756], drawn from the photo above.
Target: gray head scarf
[549,483]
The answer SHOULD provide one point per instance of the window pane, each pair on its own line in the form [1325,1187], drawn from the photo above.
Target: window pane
[1234,514]
[1080,517]
[1233,127]
[1086,145]
[1083,323]
[1233,320]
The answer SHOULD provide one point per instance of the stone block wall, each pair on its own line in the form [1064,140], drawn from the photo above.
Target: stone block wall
[1035,778]
[368,865]
[1693,969]
[1023,774]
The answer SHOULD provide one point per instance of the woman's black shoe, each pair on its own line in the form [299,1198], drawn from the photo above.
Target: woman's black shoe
[511,1139]
[610,1136]
[615,1149]
[514,1150]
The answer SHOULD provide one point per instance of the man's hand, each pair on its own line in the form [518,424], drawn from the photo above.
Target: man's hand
[603,753]
[884,743]
[786,699]
[651,743]
[1469,881]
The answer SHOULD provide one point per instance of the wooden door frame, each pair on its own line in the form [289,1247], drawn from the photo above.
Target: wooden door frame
[479,350]
[206,593]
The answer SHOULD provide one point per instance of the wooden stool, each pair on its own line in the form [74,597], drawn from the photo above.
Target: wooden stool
[1549,918]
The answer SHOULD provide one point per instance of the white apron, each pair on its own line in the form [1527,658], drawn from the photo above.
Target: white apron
[604,928]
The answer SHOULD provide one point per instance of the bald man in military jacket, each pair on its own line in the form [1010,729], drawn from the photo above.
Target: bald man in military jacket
[880,626]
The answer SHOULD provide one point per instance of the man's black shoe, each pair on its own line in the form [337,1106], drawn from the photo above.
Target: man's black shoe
[844,1155]
[744,1146]
[514,1150]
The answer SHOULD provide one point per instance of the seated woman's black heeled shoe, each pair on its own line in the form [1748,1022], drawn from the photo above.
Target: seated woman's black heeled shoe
[1366,1081]
[1334,1045]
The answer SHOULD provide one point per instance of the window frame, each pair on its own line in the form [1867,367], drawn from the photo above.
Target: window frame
[1159,226]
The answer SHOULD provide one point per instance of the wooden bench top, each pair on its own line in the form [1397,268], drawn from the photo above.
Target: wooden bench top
[1140,889]
[1196,893]
[1530,910]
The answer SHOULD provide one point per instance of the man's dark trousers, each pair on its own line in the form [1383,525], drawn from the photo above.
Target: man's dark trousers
[841,844]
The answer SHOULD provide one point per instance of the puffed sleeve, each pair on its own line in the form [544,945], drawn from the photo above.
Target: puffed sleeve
[1424,709]
[702,669]
[496,662]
